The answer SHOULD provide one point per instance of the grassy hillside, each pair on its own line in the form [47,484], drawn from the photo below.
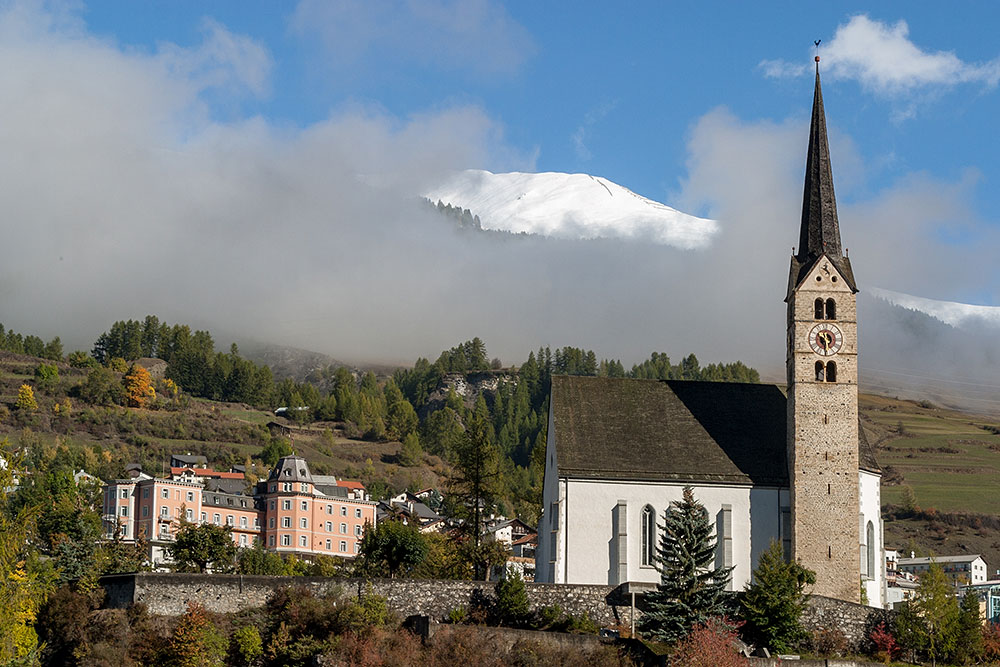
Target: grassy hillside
[948,463]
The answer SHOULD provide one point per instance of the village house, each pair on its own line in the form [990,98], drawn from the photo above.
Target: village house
[290,512]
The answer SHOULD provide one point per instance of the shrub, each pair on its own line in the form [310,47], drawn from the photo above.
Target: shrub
[886,647]
[458,615]
[829,642]
[512,600]
[196,641]
[246,647]
[712,644]
[26,399]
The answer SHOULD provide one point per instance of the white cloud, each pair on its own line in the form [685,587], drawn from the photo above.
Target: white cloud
[477,36]
[226,60]
[591,118]
[885,61]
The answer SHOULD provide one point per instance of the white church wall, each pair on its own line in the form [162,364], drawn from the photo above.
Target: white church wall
[547,544]
[590,554]
[869,495]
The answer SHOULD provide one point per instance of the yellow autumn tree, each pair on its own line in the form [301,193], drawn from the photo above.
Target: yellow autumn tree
[138,387]
[26,399]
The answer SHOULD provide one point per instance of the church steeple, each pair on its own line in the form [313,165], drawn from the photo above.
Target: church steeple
[819,233]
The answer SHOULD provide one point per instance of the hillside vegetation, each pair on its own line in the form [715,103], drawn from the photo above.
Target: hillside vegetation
[941,477]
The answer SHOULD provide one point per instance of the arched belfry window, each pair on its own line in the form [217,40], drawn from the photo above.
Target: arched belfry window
[820,372]
[870,555]
[819,309]
[831,309]
[648,550]
[831,371]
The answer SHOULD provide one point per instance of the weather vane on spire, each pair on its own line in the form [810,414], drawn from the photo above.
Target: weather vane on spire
[817,54]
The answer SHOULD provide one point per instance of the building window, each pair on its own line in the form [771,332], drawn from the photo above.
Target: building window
[166,493]
[164,529]
[272,505]
[145,493]
[343,528]
[217,519]
[190,496]
[229,520]
[286,522]
[274,489]
[286,486]
[256,522]
[818,308]
[124,511]
[189,515]
[270,540]
[124,493]
[305,506]
[304,523]
[164,511]
[243,522]
[329,526]
[648,535]
[145,510]
[286,540]
[831,309]
[554,512]
[343,546]
[329,545]
[357,512]
[243,540]
[302,541]
[329,509]
[343,510]
[286,504]
[870,536]
[204,517]
[831,371]
[820,372]
[270,522]
[357,530]
[303,487]
[357,547]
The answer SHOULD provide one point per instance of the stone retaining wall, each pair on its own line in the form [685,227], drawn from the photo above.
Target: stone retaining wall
[169,594]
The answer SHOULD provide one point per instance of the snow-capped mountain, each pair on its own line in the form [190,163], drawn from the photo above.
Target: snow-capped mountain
[949,312]
[570,206]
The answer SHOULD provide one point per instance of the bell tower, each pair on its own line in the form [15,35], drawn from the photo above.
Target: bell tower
[822,374]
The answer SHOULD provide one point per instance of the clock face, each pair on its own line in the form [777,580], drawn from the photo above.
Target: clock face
[826,339]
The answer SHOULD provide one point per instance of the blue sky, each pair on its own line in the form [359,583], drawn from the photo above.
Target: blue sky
[271,150]
[598,89]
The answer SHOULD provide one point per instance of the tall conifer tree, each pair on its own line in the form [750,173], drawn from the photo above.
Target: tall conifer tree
[690,589]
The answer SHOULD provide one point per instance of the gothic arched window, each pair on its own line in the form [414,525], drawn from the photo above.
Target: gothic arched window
[831,309]
[870,542]
[831,371]
[648,535]
[819,309]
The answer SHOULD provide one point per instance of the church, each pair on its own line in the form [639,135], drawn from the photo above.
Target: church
[791,465]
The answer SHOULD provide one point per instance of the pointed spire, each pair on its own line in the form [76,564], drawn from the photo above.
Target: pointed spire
[820,232]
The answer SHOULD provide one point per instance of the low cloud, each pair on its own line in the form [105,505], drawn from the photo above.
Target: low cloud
[883,59]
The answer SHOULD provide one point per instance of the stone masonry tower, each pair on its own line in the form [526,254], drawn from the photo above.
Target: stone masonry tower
[822,366]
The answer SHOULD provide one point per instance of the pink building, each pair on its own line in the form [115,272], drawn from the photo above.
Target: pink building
[291,512]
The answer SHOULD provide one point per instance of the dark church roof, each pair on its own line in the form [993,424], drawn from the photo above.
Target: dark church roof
[820,230]
[671,430]
[674,430]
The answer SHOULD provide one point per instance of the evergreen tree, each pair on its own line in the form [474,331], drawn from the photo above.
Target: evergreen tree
[968,631]
[773,604]
[938,608]
[690,589]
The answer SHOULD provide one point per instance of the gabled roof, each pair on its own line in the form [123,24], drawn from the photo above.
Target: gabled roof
[819,233]
[671,430]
